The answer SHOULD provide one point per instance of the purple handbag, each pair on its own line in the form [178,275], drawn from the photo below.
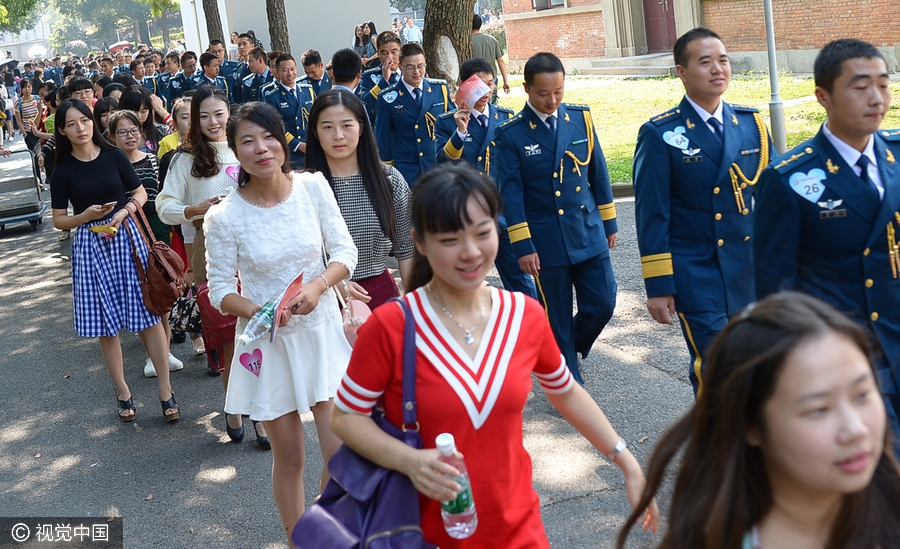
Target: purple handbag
[364,505]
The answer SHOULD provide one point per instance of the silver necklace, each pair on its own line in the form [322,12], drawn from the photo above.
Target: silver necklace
[470,339]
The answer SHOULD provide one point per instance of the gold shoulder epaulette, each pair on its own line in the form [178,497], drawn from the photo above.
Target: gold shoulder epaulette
[510,122]
[787,162]
[659,118]
[747,108]
[577,106]
[890,135]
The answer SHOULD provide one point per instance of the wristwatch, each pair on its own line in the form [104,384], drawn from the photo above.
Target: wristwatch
[617,449]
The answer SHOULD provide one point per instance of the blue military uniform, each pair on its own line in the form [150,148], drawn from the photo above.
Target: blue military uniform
[693,201]
[370,85]
[478,149]
[238,73]
[250,88]
[226,71]
[294,106]
[406,134]
[318,86]
[219,82]
[176,85]
[152,84]
[822,231]
[558,203]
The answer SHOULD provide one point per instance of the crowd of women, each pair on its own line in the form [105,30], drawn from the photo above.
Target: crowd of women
[786,447]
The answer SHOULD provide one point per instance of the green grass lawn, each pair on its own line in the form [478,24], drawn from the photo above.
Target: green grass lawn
[619,107]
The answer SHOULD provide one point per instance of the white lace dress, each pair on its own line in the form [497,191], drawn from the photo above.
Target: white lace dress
[268,247]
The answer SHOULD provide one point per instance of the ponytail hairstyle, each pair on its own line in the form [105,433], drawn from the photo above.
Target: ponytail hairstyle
[440,200]
[722,488]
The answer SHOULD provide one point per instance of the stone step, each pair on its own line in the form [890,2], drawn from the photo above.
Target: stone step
[630,71]
[652,60]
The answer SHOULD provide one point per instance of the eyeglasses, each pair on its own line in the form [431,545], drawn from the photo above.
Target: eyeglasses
[82,94]
[414,68]
[126,133]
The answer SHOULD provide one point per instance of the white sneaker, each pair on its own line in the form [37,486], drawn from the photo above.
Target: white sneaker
[174,363]
[174,366]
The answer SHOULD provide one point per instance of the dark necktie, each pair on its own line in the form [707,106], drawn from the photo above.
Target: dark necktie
[483,120]
[863,164]
[716,126]
[551,122]
[417,93]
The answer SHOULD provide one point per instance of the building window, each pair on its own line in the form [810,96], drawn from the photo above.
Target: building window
[547,4]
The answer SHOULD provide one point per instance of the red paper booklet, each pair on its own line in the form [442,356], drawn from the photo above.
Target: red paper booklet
[471,91]
[289,293]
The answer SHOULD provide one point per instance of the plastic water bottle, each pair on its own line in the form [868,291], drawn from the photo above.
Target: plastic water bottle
[460,518]
[259,324]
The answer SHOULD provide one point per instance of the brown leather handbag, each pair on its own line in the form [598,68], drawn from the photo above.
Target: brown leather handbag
[162,282]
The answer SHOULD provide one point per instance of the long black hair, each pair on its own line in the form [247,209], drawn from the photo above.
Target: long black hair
[440,204]
[722,488]
[63,145]
[266,117]
[378,186]
[206,159]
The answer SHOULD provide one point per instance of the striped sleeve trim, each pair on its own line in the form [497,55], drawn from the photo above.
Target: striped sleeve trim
[607,211]
[288,136]
[355,399]
[519,232]
[657,265]
[451,151]
[559,381]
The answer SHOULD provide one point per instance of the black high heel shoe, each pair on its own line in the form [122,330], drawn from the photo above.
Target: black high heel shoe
[236,434]
[170,405]
[125,406]
[261,441]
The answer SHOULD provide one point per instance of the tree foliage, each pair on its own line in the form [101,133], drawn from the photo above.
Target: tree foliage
[102,17]
[406,5]
[18,15]
[63,31]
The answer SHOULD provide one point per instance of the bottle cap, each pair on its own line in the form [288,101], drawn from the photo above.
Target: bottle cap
[445,444]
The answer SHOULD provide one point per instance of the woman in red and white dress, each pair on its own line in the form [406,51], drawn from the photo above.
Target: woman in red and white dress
[477,348]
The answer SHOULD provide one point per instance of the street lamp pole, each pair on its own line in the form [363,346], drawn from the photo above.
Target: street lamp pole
[776,107]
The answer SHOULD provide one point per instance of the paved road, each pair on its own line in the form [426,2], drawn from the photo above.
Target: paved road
[63,453]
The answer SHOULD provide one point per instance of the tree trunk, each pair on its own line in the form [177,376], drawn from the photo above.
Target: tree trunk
[278,29]
[213,21]
[164,23]
[141,32]
[448,37]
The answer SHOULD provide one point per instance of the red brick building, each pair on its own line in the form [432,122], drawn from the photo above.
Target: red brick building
[581,30]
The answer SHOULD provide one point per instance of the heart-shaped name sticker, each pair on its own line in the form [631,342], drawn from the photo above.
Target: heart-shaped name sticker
[252,361]
[808,185]
[676,138]
[234,172]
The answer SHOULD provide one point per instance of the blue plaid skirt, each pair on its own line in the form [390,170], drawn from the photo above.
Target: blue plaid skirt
[105,287]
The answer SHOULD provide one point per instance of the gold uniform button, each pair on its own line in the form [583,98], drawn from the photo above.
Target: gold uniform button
[746,239]
[869,283]
[558,193]
[745,211]
[577,189]
[418,140]
[866,251]
[479,159]
[743,185]
[809,150]
[718,216]
[716,190]
[417,126]
[560,212]
[720,242]
[421,154]
[555,175]
[874,317]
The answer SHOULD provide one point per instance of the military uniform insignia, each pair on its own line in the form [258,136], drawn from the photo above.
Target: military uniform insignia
[531,150]
[830,204]
[831,167]
[690,125]
[808,185]
[532,125]
[390,97]
[566,117]
[676,138]
[734,119]
[690,152]
[889,155]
